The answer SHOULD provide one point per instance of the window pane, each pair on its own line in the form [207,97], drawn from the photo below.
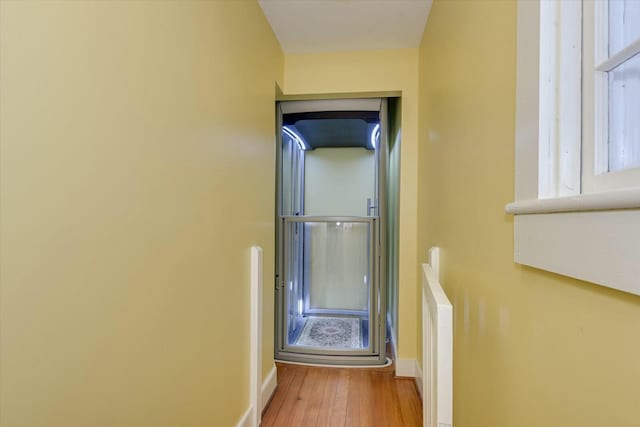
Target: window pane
[624,24]
[624,115]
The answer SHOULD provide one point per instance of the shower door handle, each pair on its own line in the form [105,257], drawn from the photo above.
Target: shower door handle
[370,206]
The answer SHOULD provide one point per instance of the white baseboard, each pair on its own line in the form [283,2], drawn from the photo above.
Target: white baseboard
[419,379]
[406,367]
[268,388]
[246,420]
[411,369]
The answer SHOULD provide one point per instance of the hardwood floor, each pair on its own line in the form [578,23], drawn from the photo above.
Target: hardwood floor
[324,396]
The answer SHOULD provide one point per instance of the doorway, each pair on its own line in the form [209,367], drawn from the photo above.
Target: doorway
[330,231]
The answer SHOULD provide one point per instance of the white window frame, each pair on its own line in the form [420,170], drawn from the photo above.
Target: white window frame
[593,233]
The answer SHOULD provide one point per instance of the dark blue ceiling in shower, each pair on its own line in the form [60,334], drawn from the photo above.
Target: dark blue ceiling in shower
[334,128]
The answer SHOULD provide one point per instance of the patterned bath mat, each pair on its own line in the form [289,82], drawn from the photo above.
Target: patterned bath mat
[331,332]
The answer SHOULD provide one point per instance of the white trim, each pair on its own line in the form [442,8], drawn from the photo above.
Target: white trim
[600,247]
[255,348]
[259,392]
[246,419]
[419,379]
[406,367]
[437,347]
[619,199]
[269,387]
[548,97]
[629,51]
[595,112]
[598,19]
[433,259]
[560,98]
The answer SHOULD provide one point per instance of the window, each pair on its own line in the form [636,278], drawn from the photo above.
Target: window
[577,207]
[619,69]
[589,96]
[612,68]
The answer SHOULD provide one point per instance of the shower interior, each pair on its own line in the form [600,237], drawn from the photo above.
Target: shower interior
[329,302]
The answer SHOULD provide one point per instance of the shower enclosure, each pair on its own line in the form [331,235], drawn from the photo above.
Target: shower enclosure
[330,299]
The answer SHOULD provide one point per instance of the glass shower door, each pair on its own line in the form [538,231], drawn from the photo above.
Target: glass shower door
[331,310]
[292,204]
[330,202]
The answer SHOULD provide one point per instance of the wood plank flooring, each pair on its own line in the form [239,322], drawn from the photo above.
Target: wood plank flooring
[324,396]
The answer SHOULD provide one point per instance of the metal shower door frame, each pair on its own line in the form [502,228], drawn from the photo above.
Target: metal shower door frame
[378,292]
[373,284]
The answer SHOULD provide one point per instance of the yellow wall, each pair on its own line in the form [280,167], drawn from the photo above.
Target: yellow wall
[137,148]
[531,348]
[377,71]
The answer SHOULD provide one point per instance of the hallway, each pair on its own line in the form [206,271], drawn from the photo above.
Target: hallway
[317,396]
[138,172]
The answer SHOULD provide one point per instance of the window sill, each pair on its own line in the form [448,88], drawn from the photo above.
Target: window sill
[598,246]
[614,200]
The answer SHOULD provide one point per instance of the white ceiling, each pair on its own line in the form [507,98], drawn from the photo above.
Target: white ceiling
[307,26]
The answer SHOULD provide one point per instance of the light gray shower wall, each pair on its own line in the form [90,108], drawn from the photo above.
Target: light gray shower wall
[338,181]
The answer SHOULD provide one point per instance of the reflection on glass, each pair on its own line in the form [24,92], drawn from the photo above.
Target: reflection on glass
[624,24]
[624,115]
[338,259]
